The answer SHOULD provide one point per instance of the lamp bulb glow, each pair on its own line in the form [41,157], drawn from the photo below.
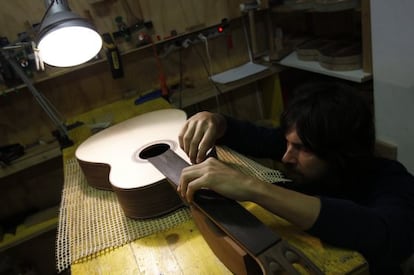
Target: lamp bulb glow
[69,46]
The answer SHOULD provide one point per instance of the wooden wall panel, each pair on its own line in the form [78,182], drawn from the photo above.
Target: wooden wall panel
[166,15]
[91,86]
[15,14]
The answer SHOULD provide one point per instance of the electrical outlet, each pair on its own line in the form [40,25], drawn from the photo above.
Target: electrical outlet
[201,36]
[186,41]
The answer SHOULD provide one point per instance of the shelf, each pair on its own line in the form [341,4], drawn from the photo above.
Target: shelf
[32,157]
[54,72]
[50,73]
[33,226]
[199,94]
[309,6]
[313,66]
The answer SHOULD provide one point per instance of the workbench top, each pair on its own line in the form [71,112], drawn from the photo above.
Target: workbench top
[181,248]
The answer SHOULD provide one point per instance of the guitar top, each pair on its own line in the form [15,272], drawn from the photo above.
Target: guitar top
[121,145]
[115,159]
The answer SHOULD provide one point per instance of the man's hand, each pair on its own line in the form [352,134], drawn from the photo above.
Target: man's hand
[298,208]
[217,176]
[200,133]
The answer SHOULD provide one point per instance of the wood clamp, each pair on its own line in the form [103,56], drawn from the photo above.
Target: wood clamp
[239,239]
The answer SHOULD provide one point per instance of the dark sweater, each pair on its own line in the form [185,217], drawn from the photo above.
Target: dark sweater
[372,214]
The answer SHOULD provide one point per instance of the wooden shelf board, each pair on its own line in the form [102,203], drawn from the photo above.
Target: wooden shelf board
[313,66]
[54,72]
[316,7]
[32,157]
[46,220]
[199,94]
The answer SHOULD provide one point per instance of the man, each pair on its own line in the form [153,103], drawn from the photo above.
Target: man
[340,193]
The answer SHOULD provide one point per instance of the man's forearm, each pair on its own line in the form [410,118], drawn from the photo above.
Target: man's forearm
[299,209]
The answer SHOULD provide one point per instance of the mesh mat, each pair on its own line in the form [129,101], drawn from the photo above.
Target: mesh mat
[91,220]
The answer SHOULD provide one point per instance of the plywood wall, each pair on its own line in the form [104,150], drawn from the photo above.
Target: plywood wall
[166,15]
[23,121]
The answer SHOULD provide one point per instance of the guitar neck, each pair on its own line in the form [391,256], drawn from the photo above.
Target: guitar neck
[264,245]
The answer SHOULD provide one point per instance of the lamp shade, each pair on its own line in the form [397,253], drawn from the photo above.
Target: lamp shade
[66,39]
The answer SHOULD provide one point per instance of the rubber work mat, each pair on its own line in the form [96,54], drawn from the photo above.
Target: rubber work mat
[92,221]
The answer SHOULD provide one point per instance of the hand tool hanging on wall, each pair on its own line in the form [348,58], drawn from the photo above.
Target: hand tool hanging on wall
[131,18]
[123,29]
[162,77]
[113,56]
[7,75]
[130,26]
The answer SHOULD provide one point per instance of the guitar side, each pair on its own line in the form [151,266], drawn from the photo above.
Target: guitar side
[111,160]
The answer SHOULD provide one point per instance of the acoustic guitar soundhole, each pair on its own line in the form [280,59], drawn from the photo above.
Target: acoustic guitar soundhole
[154,150]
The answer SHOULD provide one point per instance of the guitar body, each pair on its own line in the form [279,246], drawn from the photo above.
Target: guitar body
[115,160]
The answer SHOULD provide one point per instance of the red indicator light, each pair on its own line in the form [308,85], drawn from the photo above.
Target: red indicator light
[220,29]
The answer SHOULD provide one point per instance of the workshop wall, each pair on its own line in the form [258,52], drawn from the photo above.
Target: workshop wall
[181,16]
[79,89]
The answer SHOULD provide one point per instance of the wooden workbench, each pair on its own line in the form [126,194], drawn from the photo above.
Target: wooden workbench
[181,249]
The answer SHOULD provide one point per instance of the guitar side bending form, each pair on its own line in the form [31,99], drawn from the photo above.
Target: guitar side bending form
[340,191]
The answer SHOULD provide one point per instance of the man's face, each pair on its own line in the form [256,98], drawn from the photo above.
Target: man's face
[302,165]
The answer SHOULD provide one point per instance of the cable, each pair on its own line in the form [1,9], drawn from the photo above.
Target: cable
[205,40]
[47,11]
[180,99]
[218,90]
[246,36]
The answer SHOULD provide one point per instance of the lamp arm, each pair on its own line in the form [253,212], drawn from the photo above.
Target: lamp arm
[54,6]
[43,102]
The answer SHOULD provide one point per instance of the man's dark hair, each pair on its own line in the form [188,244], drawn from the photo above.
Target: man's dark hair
[334,122]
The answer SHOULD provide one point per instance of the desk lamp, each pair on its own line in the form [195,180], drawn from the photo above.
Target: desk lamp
[64,39]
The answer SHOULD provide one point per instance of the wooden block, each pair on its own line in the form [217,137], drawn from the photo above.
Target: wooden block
[366,36]
[386,150]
